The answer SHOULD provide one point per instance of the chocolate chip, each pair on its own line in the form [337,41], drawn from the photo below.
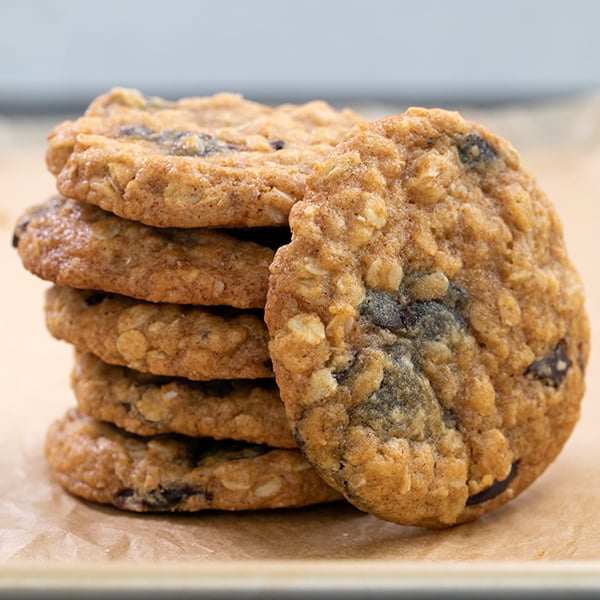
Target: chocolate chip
[474,151]
[495,489]
[277,144]
[552,369]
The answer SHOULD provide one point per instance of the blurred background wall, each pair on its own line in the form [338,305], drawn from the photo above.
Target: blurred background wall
[56,56]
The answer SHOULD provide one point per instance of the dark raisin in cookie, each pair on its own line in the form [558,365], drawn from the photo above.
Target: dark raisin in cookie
[428,330]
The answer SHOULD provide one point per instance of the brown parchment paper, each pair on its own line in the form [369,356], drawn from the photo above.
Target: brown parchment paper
[551,532]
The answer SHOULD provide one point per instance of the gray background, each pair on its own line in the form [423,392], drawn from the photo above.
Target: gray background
[57,55]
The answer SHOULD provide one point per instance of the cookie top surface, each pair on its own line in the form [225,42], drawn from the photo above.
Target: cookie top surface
[428,330]
[240,409]
[208,161]
[79,245]
[102,463]
[178,340]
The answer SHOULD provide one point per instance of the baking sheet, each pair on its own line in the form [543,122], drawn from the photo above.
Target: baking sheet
[547,537]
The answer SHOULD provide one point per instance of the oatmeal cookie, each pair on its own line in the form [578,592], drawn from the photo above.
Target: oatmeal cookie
[429,335]
[97,461]
[220,161]
[164,339]
[79,245]
[249,410]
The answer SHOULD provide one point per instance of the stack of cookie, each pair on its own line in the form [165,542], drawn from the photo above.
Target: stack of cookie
[401,287]
[159,249]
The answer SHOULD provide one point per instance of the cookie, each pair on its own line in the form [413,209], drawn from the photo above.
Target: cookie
[429,335]
[97,461]
[164,339]
[220,161]
[79,245]
[247,410]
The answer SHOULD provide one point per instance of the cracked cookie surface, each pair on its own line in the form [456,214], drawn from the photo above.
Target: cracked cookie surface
[178,340]
[79,245]
[247,410]
[428,330]
[98,462]
[220,161]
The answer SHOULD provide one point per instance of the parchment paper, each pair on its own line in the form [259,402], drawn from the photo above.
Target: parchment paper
[45,531]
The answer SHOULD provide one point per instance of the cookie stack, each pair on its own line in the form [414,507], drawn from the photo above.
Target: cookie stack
[159,247]
[401,287]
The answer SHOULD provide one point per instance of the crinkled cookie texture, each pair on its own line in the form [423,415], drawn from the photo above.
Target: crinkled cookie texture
[219,161]
[97,461]
[249,410]
[429,335]
[79,245]
[177,340]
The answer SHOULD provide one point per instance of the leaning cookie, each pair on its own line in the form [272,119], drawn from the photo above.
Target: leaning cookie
[194,342]
[97,461]
[220,161]
[78,245]
[249,410]
[429,336]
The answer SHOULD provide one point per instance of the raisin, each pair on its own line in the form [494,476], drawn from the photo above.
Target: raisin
[432,320]
[186,143]
[474,151]
[179,142]
[136,131]
[429,319]
[22,225]
[277,144]
[405,404]
[552,369]
[161,498]
[122,497]
[495,489]
[384,310]
[164,498]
